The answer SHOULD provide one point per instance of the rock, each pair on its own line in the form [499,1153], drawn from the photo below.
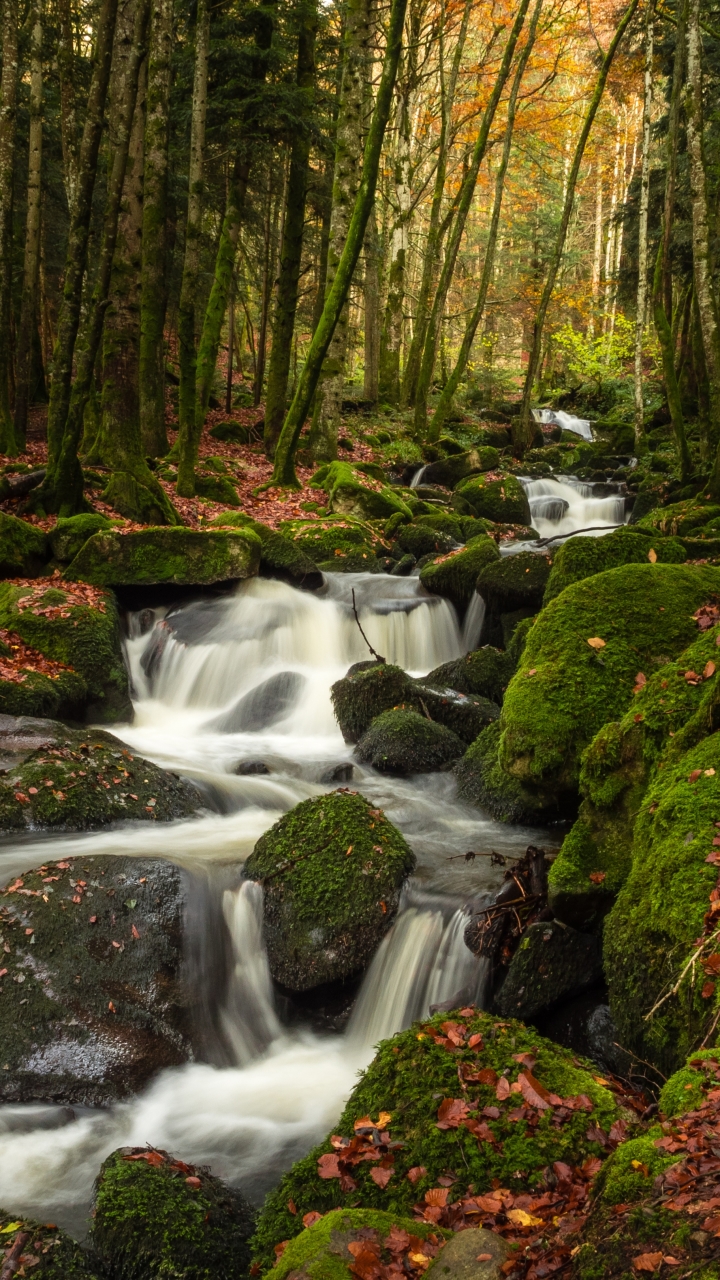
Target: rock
[449,471]
[485,672]
[368,689]
[502,500]
[251,768]
[687,1089]
[322,1249]
[332,870]
[459,1259]
[412,1078]
[456,574]
[232,433]
[82,766]
[420,540]
[514,582]
[56,1255]
[79,628]
[403,567]
[351,493]
[24,549]
[157,1216]
[262,707]
[72,532]
[216,489]
[481,781]
[338,773]
[147,504]
[581,557]
[551,963]
[403,742]
[680,518]
[93,1000]
[465,714]
[54,691]
[336,545]
[163,554]
[280,557]
[444,522]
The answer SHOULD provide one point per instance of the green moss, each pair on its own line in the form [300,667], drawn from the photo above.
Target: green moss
[450,525]
[680,517]
[280,556]
[631,1170]
[351,493]
[63,696]
[482,782]
[514,582]
[501,500]
[217,489]
[456,574]
[232,433]
[24,549]
[59,1256]
[420,540]
[365,692]
[339,544]
[687,1089]
[321,1253]
[409,1077]
[450,470]
[148,1221]
[332,871]
[71,533]
[162,554]
[403,742]
[581,557]
[485,671]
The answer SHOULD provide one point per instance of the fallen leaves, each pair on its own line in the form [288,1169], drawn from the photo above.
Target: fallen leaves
[647,1262]
[597,877]
[596,643]
[23,661]
[707,616]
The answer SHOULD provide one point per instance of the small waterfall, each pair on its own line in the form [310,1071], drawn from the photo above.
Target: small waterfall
[417,477]
[248,1018]
[473,624]
[562,507]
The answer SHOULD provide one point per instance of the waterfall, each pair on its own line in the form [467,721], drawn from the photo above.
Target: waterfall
[562,507]
[248,1017]
[417,477]
[473,624]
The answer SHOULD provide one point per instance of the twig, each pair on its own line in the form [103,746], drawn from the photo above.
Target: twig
[690,965]
[591,528]
[505,906]
[374,652]
[12,1259]
[515,857]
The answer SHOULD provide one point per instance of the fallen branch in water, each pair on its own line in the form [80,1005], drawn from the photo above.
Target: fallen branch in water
[374,652]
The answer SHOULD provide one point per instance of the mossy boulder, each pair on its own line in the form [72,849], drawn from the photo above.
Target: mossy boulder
[280,557]
[514,582]
[687,1089]
[54,692]
[154,1215]
[332,870]
[454,576]
[450,470]
[72,532]
[481,781]
[92,986]
[216,488]
[503,500]
[444,522]
[166,554]
[353,493]
[321,1251]
[79,628]
[680,518]
[403,742]
[336,544]
[409,1093]
[630,1172]
[232,433]
[368,689]
[486,672]
[420,540]
[581,557]
[55,1255]
[466,714]
[552,964]
[24,549]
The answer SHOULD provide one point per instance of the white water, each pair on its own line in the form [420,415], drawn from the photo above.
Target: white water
[561,507]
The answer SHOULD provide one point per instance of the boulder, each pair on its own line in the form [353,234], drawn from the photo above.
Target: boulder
[481,781]
[466,714]
[93,999]
[45,1250]
[449,471]
[323,1248]
[79,628]
[155,1215]
[146,503]
[279,557]
[483,1131]
[368,689]
[166,554]
[514,582]
[455,575]
[421,540]
[216,488]
[552,963]
[336,544]
[332,870]
[680,518]
[262,707]
[232,433]
[403,742]
[352,493]
[582,557]
[31,685]
[484,671]
[24,549]
[688,1088]
[501,500]
[81,779]
[72,532]
[444,522]
[474,1254]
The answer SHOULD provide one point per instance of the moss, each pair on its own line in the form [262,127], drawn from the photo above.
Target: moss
[450,525]
[456,574]
[62,696]
[482,782]
[150,1221]
[680,517]
[71,533]
[332,871]
[403,742]
[518,640]
[551,964]
[161,554]
[232,433]
[611,1244]
[409,1077]
[514,582]
[420,540]
[58,1256]
[83,636]
[24,549]
[499,500]
[485,671]
[339,544]
[352,493]
[364,693]
[137,501]
[321,1253]
[217,489]
[581,557]
[450,470]
[631,1170]
[280,556]
[687,1089]
[465,714]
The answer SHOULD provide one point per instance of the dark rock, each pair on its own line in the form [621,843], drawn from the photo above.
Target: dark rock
[403,742]
[249,768]
[514,582]
[421,540]
[465,714]
[368,689]
[458,1260]
[551,963]
[56,1255]
[24,549]
[484,671]
[262,706]
[338,773]
[454,576]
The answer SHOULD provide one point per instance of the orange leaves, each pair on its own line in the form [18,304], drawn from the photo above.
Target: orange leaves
[451,1113]
[25,660]
[647,1262]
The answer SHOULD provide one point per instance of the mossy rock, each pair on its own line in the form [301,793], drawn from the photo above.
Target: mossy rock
[514,582]
[72,532]
[485,672]
[161,554]
[466,714]
[581,557]
[56,1255]
[232,433]
[687,1089]
[680,518]
[95,1002]
[653,928]
[321,1251]
[156,1216]
[630,1172]
[482,782]
[455,575]
[449,471]
[140,502]
[62,696]
[451,525]
[352,493]
[280,556]
[217,489]
[503,501]
[403,742]
[552,964]
[83,634]
[24,549]
[420,540]
[368,689]
[410,1077]
[566,688]
[335,544]
[332,870]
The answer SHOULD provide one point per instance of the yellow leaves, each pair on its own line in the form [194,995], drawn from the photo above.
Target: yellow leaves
[652,555]
[523,1219]
[596,643]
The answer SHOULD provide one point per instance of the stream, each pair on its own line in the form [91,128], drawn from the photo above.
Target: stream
[190,667]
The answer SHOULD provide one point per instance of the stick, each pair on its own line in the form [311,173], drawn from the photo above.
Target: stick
[542,542]
[374,652]
[12,1259]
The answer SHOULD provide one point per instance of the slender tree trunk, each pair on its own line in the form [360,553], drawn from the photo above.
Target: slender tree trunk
[27,334]
[597,252]
[464,202]
[8,89]
[271,228]
[323,254]
[667,350]
[525,426]
[392,330]
[187,408]
[452,383]
[154,234]
[641,305]
[371,301]
[231,339]
[284,471]
[68,103]
[292,240]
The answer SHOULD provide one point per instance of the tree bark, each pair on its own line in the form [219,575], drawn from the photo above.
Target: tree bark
[525,427]
[292,240]
[68,103]
[31,266]
[391,338]
[597,252]
[154,234]
[8,109]
[371,300]
[284,471]
[641,305]
[667,350]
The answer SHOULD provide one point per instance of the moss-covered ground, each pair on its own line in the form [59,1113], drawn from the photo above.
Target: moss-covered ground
[46,1251]
[455,575]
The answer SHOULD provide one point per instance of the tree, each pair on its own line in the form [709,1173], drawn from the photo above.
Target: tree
[641,305]
[31,265]
[8,90]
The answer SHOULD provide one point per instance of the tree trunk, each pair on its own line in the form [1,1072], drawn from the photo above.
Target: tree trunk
[68,103]
[187,408]
[452,383]
[597,252]
[153,300]
[391,339]
[271,229]
[667,350]
[371,300]
[31,267]
[284,471]
[292,240]
[524,430]
[324,249]
[231,340]
[8,89]
[463,208]
[641,305]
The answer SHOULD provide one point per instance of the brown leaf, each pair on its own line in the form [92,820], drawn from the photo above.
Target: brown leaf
[693,777]
[451,1113]
[708,990]
[597,877]
[709,670]
[647,1262]
[381,1177]
[476,1040]
[652,555]
[329,1166]
[503,1089]
[437,1197]
[292,1207]
[193,1183]
[397,1239]
[533,1091]
[596,643]
[309,1219]
[416,1173]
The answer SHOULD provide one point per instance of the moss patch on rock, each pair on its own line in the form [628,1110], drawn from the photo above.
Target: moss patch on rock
[582,557]
[687,1089]
[450,470]
[421,540]
[455,575]
[55,1255]
[332,870]
[24,549]
[353,493]
[72,532]
[502,500]
[280,556]
[680,518]
[216,488]
[551,964]
[403,742]
[486,672]
[368,689]
[481,781]
[321,1251]
[336,544]
[167,554]
[514,582]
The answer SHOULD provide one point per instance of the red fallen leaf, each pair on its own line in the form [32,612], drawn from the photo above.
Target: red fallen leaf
[135,933]
[292,1207]
[503,1089]
[21,797]
[597,877]
[151,1157]
[712,964]
[256,1269]
[562,1171]
[714,857]
[640,681]
[712,1224]
[484,1257]
[416,1173]
[451,1113]
[618,1131]
[534,1092]
[3,972]
[77,898]
[194,1183]
[476,1040]
[638,717]
[480,1130]
[397,1240]
[709,670]
[92,920]
[347,1183]
[280,1248]
[525,1059]
[693,777]
[708,990]
[491,1203]
[647,1262]
[454,1032]
[111,1007]
[329,1166]
[367,1265]
[670,1261]
[493,1113]
[437,1197]
[309,1219]
[467,1012]
[485,1075]
[381,1177]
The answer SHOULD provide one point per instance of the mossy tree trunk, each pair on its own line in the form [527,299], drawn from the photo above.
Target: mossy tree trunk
[371,305]
[31,265]
[292,241]
[8,109]
[284,471]
[667,351]
[154,234]
[642,290]
[524,430]
[68,102]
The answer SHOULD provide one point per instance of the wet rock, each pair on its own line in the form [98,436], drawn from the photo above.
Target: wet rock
[262,707]
[455,575]
[324,1247]
[421,540]
[24,549]
[460,1257]
[604,1044]
[403,567]
[336,544]
[552,963]
[92,993]
[46,1251]
[252,768]
[368,689]
[353,493]
[580,558]
[482,781]
[485,672]
[449,471]
[501,500]
[445,522]
[332,870]
[72,532]
[403,742]
[280,556]
[166,554]
[338,773]
[465,714]
[158,1216]
[514,582]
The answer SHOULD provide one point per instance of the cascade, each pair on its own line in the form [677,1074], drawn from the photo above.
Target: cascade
[560,507]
